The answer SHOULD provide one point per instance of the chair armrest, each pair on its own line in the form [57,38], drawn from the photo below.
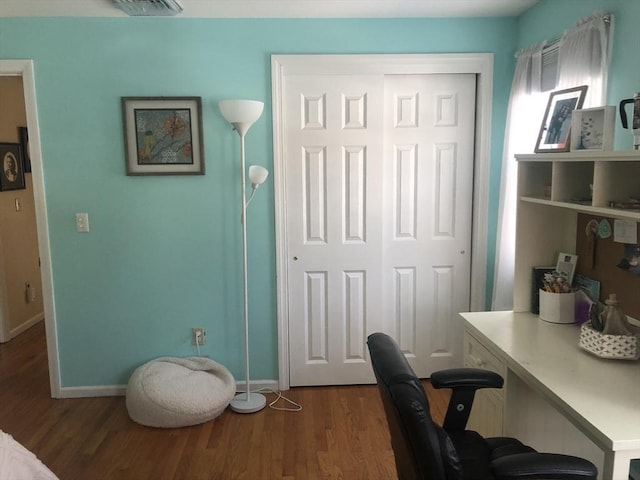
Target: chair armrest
[464,382]
[466,377]
[549,466]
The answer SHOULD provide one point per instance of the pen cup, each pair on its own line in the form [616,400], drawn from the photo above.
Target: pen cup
[558,307]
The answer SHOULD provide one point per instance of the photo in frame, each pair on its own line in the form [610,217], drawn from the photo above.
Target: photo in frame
[12,175]
[23,134]
[555,130]
[163,135]
[593,128]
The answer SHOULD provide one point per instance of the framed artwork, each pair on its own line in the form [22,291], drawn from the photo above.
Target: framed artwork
[163,135]
[555,130]
[592,128]
[23,134]
[12,176]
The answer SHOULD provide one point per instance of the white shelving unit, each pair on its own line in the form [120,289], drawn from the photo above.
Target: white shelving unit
[552,189]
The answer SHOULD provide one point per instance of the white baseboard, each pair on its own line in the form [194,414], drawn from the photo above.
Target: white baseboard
[97,391]
[257,385]
[26,325]
[121,390]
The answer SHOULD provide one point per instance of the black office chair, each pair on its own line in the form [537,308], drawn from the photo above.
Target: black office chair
[424,450]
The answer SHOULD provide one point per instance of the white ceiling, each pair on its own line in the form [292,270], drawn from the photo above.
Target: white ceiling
[280,8]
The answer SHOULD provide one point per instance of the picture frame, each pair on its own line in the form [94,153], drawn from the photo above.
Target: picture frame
[12,173]
[593,128]
[163,135]
[23,134]
[555,130]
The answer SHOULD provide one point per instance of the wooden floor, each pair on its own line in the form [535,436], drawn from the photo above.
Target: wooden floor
[341,433]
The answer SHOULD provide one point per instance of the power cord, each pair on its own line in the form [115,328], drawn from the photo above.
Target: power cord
[198,342]
[296,406]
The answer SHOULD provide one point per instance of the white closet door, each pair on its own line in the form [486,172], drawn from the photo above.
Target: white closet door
[379,173]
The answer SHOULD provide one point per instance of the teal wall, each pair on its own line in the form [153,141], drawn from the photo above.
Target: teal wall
[163,253]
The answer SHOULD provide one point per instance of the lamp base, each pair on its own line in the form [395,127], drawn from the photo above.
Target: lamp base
[254,403]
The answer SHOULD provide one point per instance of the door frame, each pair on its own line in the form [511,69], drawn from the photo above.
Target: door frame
[24,68]
[480,64]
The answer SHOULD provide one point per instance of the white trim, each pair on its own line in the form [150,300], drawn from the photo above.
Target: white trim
[26,325]
[480,64]
[89,392]
[121,390]
[25,69]
[5,335]
[484,102]
[257,385]
[280,8]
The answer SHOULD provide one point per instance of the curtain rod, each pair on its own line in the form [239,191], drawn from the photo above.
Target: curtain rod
[555,43]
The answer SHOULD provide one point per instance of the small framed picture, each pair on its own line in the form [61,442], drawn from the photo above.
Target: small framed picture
[163,135]
[12,176]
[592,128]
[555,130]
[23,133]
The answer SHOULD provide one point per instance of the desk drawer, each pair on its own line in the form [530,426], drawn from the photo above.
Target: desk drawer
[487,413]
[477,355]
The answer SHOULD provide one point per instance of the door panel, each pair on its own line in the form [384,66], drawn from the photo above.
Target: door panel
[429,132]
[378,205]
[333,149]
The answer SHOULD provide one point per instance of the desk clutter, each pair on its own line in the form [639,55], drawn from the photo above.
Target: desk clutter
[566,297]
[557,297]
[608,333]
[615,347]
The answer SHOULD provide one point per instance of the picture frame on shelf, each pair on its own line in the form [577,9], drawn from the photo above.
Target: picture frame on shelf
[593,129]
[555,130]
[163,135]
[12,174]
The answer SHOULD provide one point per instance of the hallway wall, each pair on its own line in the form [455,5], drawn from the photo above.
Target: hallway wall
[19,262]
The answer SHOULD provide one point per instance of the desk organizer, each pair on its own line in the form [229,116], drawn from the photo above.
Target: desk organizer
[558,307]
[620,347]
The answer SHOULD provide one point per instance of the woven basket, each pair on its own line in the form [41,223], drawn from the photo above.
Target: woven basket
[621,347]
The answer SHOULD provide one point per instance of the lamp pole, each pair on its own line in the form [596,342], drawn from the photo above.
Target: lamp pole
[242,114]
[245,278]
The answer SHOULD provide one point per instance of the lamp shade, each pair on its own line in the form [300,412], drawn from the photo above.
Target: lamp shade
[257,174]
[241,113]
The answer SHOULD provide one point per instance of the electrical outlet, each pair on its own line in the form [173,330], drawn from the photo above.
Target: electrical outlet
[82,222]
[198,336]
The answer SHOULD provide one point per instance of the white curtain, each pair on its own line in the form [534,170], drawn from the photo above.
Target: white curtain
[523,121]
[583,59]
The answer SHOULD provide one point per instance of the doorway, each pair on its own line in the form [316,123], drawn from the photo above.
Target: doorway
[24,69]
[20,290]
[366,301]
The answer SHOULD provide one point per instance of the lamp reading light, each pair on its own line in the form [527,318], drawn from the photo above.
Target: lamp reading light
[257,175]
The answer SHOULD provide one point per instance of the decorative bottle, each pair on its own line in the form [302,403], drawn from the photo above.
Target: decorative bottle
[615,322]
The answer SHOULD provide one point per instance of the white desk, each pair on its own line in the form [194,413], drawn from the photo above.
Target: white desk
[599,397]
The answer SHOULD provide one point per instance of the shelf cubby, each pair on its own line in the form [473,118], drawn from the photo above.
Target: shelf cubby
[586,181]
[553,190]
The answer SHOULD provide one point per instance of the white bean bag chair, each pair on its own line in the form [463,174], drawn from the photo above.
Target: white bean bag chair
[171,392]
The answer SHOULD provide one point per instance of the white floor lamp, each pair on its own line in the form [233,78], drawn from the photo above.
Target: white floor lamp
[242,114]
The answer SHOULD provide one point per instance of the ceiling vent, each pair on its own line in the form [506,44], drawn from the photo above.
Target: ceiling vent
[149,8]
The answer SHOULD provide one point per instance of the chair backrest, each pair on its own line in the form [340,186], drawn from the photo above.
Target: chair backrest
[421,448]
